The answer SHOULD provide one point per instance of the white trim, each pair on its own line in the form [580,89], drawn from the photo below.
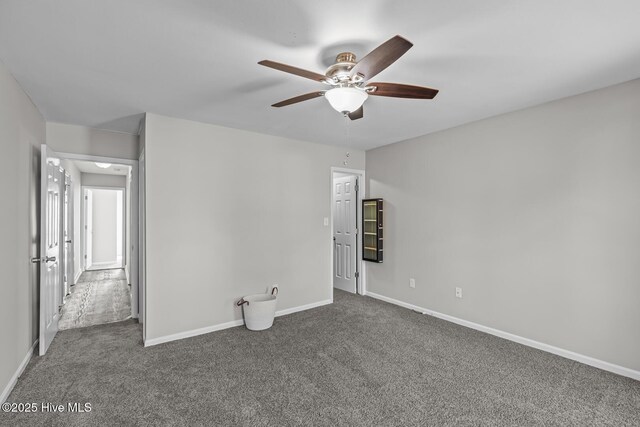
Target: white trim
[140,272]
[587,360]
[192,333]
[132,250]
[227,325]
[78,274]
[14,379]
[303,307]
[361,286]
[397,302]
[92,158]
[105,263]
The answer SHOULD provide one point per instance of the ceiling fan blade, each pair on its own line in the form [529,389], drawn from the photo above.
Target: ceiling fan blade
[297,99]
[402,91]
[294,70]
[357,114]
[381,57]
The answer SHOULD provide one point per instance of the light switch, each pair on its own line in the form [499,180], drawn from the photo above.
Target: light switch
[326,221]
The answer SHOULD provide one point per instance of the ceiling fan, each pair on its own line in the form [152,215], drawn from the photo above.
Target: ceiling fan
[349,79]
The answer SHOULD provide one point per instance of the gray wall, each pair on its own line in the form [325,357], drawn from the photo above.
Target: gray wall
[535,214]
[22,130]
[103,180]
[83,140]
[230,213]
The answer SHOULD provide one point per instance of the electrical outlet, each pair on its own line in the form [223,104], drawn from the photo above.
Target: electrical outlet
[458,292]
[412,282]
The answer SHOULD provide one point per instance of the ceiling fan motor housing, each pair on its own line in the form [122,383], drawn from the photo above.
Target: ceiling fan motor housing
[341,70]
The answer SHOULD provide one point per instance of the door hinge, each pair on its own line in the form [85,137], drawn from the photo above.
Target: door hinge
[357,274]
[86,197]
[357,187]
[85,257]
[356,231]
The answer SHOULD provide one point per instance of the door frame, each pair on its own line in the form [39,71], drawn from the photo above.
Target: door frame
[134,220]
[361,282]
[83,233]
[69,256]
[142,239]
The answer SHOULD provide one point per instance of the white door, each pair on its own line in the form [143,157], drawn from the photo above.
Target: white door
[345,201]
[51,193]
[88,229]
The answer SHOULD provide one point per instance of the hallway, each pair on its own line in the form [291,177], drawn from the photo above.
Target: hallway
[101,296]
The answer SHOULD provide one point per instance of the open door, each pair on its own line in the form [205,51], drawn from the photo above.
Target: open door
[51,211]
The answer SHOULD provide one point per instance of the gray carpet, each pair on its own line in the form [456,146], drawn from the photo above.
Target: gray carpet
[100,296]
[357,362]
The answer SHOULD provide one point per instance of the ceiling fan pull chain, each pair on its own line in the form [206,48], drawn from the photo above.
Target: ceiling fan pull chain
[346,120]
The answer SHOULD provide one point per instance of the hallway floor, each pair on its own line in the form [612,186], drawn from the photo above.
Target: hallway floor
[100,296]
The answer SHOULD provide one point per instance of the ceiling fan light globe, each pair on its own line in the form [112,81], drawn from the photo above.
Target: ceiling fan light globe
[346,100]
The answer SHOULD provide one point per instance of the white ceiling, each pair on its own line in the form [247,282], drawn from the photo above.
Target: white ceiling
[104,63]
[90,167]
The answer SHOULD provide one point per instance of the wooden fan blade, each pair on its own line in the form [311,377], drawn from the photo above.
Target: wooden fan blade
[294,70]
[297,99]
[402,91]
[358,114]
[381,57]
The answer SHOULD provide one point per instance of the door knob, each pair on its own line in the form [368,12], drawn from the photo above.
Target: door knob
[50,258]
[67,241]
[36,260]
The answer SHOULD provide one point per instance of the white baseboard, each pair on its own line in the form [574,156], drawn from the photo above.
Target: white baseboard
[302,307]
[14,379]
[227,325]
[587,360]
[78,274]
[192,333]
[397,302]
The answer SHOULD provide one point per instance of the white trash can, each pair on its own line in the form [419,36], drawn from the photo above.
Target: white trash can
[259,310]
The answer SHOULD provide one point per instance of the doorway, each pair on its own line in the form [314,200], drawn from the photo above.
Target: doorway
[103,215]
[103,289]
[347,191]
[102,293]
